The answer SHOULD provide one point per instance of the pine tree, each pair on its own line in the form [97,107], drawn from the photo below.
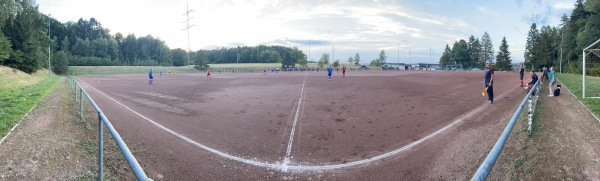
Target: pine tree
[475,53]
[532,44]
[503,60]
[445,59]
[460,54]
[487,48]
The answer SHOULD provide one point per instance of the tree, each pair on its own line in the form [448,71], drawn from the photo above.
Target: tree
[382,58]
[356,59]
[5,48]
[460,52]
[589,32]
[8,10]
[475,53]
[291,56]
[128,49]
[487,48]
[60,62]
[303,62]
[531,45]
[270,56]
[165,58]
[200,59]
[445,59]
[503,60]
[27,34]
[350,59]
[179,57]
[324,59]
[546,47]
[321,64]
[336,63]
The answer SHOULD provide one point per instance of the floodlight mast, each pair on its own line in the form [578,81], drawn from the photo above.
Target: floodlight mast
[187,28]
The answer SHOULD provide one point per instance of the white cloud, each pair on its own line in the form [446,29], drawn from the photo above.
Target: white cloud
[487,11]
[563,5]
[352,25]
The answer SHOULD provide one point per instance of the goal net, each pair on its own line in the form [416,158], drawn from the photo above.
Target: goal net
[591,66]
[454,67]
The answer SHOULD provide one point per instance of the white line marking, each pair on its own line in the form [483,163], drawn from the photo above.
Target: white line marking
[291,141]
[305,167]
[397,151]
[251,162]
[13,128]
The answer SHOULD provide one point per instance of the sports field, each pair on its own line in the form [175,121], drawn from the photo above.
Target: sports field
[370,125]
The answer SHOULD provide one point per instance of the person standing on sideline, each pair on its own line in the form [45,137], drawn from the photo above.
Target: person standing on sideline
[489,80]
[534,79]
[551,81]
[544,74]
[160,71]
[150,78]
[208,74]
[343,71]
[521,72]
[329,70]
[264,70]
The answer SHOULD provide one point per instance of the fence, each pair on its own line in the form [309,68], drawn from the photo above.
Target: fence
[102,120]
[484,169]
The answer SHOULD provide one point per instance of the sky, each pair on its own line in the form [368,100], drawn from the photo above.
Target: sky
[408,31]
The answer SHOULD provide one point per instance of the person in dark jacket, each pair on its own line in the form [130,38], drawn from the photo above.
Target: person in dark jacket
[488,80]
[521,72]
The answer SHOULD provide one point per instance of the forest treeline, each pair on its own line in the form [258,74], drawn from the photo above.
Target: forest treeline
[576,32]
[544,45]
[28,37]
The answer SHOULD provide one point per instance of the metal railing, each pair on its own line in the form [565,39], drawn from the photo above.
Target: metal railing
[486,166]
[133,164]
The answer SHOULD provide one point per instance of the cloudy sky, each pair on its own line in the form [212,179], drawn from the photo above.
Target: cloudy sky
[417,30]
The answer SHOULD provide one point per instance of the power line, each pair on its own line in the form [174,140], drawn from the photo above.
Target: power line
[187,28]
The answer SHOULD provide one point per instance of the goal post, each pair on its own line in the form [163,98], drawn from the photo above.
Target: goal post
[585,52]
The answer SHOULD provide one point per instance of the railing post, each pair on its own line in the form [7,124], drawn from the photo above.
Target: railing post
[81,102]
[100,149]
[75,94]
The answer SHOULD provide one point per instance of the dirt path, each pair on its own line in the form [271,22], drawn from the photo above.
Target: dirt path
[50,144]
[563,145]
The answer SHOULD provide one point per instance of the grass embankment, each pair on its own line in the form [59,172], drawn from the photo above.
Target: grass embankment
[592,89]
[19,91]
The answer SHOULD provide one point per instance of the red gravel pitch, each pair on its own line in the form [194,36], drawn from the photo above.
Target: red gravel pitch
[347,119]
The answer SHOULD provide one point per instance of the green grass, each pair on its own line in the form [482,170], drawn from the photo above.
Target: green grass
[574,83]
[16,79]
[115,70]
[17,99]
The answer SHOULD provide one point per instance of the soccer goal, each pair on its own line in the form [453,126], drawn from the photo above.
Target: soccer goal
[454,67]
[591,55]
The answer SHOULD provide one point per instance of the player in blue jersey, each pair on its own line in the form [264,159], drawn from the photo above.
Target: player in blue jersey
[329,70]
[150,78]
